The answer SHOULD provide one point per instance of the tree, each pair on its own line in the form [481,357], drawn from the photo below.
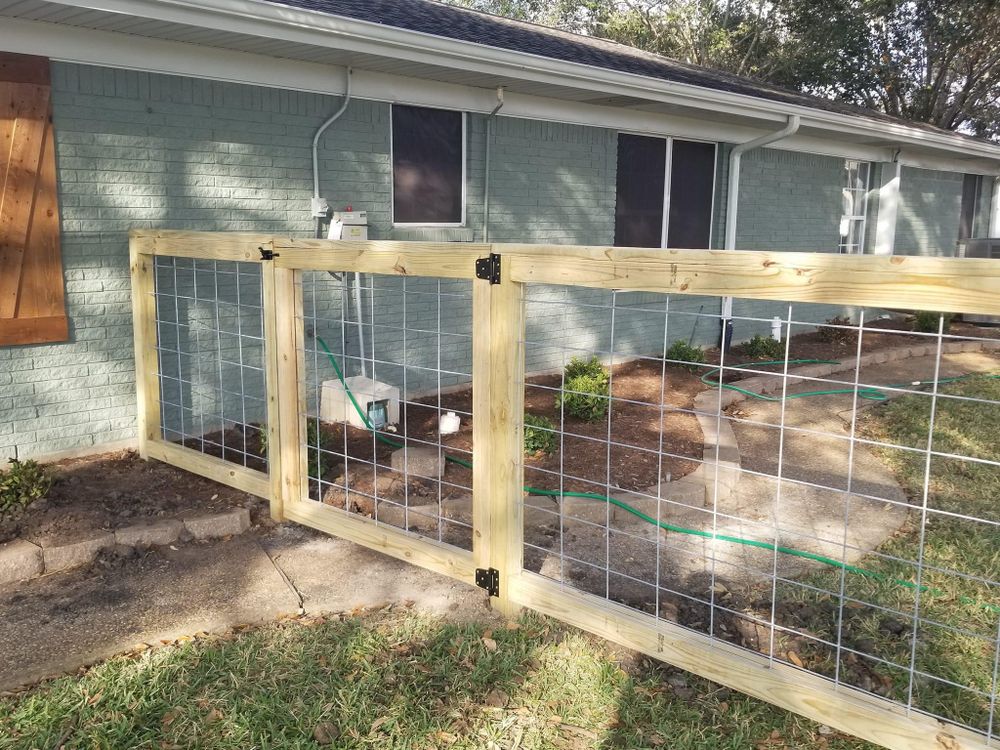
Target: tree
[933,61]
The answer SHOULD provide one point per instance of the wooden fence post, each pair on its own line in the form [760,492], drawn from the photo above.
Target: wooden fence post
[285,401]
[498,445]
[147,367]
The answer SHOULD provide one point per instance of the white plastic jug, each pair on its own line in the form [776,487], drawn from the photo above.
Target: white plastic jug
[449,423]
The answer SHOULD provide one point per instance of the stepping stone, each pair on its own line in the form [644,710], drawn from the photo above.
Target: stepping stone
[420,461]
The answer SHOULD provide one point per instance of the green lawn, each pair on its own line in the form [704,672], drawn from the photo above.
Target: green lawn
[396,679]
[942,655]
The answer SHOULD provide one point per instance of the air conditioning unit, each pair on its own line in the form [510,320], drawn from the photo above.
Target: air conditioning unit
[987,247]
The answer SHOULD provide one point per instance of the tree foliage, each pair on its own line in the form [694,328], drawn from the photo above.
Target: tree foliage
[932,61]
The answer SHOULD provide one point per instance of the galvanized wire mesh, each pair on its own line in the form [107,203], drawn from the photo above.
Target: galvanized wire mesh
[413,337]
[837,514]
[210,347]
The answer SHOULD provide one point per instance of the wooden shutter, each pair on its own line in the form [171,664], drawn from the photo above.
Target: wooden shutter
[32,297]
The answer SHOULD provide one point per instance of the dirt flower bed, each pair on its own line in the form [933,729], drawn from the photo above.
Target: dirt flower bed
[112,490]
[583,453]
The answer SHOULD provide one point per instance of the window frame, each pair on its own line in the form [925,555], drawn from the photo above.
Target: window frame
[668,179]
[861,218]
[392,180]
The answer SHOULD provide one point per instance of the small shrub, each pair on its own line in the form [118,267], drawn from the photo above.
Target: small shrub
[591,367]
[22,484]
[837,335]
[928,322]
[686,355]
[764,347]
[539,435]
[586,390]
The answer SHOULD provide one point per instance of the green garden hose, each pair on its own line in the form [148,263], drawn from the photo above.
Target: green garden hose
[769,546]
[870,393]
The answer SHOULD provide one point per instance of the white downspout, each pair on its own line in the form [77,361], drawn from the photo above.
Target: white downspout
[486,166]
[732,203]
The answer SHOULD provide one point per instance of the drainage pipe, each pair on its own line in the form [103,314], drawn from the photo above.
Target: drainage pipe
[732,205]
[319,133]
[486,167]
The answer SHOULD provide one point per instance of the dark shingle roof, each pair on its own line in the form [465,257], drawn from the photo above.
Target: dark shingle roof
[437,19]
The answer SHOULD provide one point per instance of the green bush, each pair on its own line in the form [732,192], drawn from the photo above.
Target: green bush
[834,335]
[685,355]
[586,389]
[764,347]
[927,322]
[22,484]
[539,435]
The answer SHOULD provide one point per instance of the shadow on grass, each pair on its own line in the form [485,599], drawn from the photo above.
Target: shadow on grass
[395,679]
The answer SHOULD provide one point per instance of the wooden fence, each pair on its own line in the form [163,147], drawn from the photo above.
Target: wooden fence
[913,283]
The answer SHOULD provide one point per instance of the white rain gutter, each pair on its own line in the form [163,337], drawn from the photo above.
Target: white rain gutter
[486,166]
[733,201]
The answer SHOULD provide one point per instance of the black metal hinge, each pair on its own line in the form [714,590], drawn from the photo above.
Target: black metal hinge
[489,268]
[266,254]
[489,579]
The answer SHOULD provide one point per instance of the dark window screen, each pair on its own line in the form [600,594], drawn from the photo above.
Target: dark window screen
[639,199]
[970,194]
[692,174]
[426,165]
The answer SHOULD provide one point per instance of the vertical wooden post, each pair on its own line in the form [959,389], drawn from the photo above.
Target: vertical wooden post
[147,367]
[286,397]
[498,443]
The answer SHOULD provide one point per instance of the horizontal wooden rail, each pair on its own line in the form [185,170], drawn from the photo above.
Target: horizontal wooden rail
[869,717]
[236,246]
[403,545]
[955,285]
[952,285]
[211,467]
[446,260]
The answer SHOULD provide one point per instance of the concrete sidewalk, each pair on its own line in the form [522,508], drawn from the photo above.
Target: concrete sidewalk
[61,622]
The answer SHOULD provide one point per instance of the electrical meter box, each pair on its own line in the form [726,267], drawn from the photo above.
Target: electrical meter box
[378,401]
[349,225]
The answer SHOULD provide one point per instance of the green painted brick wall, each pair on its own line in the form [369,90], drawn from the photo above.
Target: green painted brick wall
[146,150]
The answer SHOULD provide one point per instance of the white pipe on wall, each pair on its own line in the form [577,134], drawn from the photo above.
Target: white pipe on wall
[322,129]
[486,168]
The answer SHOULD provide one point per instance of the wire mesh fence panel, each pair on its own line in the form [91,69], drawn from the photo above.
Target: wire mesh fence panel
[822,492]
[210,352]
[388,383]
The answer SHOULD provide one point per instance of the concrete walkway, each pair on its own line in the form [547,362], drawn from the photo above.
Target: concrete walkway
[66,620]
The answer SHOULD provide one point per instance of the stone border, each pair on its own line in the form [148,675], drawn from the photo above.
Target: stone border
[22,560]
[696,488]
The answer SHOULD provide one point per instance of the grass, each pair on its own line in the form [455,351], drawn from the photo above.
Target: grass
[396,679]
[952,545]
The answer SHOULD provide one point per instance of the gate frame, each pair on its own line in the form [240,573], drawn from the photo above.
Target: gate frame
[902,282]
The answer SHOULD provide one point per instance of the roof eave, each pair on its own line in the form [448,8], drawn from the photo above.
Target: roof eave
[322,29]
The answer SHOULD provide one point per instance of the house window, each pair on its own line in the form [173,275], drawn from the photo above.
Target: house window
[428,166]
[665,192]
[855,202]
[972,187]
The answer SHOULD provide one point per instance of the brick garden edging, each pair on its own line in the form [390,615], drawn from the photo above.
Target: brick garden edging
[22,560]
[718,431]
